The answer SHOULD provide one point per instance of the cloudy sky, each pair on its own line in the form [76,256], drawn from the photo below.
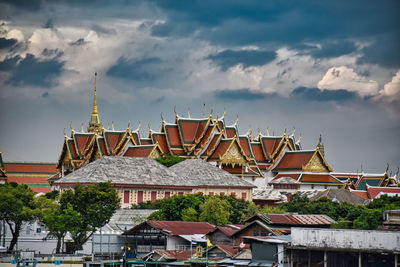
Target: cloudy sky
[321,67]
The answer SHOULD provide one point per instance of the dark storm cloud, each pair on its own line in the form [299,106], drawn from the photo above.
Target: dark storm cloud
[79,42]
[385,51]
[31,5]
[230,58]
[287,23]
[31,71]
[6,43]
[146,69]
[49,24]
[241,94]
[316,94]
[328,49]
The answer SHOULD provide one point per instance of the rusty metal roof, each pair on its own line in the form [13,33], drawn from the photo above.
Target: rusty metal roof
[293,219]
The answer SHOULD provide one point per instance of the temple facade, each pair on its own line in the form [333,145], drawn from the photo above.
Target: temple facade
[262,160]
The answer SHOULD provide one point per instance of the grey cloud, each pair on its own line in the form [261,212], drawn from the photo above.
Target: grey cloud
[316,94]
[230,58]
[103,30]
[32,71]
[79,42]
[6,43]
[241,94]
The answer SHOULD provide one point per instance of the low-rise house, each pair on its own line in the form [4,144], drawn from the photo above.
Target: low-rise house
[168,235]
[278,225]
[144,179]
[221,235]
[372,192]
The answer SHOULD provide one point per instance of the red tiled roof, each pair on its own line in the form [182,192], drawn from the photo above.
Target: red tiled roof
[206,137]
[318,178]
[294,160]
[258,152]
[162,142]
[191,130]
[183,228]
[139,151]
[212,143]
[82,141]
[136,137]
[221,149]
[146,141]
[71,145]
[41,189]
[28,179]
[172,134]
[230,132]
[113,139]
[176,254]
[270,144]
[363,194]
[374,191]
[245,144]
[27,167]
[102,144]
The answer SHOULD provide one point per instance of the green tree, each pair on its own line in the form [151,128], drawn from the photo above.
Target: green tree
[169,160]
[298,203]
[16,207]
[215,211]
[57,220]
[190,215]
[368,220]
[95,205]
[272,210]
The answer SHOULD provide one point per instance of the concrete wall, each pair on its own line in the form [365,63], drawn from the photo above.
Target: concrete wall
[346,239]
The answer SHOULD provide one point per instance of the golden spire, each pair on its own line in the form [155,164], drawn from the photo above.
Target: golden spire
[95,125]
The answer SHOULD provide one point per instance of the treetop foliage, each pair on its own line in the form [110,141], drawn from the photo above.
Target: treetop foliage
[169,160]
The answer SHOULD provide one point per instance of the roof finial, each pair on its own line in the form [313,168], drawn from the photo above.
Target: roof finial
[259,131]
[149,129]
[95,124]
[284,132]
[298,141]
[387,167]
[188,112]
[70,126]
[250,131]
[204,110]
[129,124]
[267,131]
[237,119]
[82,128]
[223,115]
[162,117]
[112,126]
[211,112]
[65,133]
[294,130]
[362,169]
[140,125]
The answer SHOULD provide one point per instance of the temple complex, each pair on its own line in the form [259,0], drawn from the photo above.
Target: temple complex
[267,161]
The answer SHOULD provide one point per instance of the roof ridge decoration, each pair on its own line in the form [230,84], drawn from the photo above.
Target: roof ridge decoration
[212,149]
[317,163]
[95,123]
[234,156]
[3,174]
[198,148]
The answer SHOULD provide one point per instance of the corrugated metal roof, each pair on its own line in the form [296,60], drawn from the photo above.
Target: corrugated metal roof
[293,219]
[183,228]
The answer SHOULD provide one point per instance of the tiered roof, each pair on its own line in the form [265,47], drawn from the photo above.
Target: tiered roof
[33,174]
